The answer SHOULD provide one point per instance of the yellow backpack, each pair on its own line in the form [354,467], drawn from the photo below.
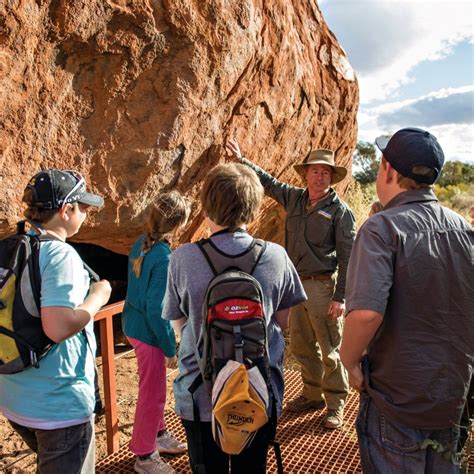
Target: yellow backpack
[22,339]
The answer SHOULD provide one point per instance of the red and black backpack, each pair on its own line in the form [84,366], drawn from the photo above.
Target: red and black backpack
[234,325]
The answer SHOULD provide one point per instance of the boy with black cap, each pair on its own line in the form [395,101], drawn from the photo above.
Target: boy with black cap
[51,407]
[409,302]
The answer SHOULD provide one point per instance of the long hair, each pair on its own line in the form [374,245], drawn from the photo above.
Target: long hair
[375,207]
[170,211]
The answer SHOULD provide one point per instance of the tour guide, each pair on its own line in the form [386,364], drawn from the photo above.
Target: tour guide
[319,234]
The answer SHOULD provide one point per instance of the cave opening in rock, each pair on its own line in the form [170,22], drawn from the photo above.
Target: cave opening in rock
[111,266]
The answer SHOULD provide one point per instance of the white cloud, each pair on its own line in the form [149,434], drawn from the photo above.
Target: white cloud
[385,39]
[447,106]
[447,114]
[456,141]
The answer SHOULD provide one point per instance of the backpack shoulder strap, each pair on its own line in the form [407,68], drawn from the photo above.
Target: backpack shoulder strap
[202,245]
[45,237]
[20,227]
[30,243]
[219,261]
[260,247]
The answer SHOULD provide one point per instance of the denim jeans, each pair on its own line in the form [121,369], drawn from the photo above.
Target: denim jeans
[388,447]
[70,449]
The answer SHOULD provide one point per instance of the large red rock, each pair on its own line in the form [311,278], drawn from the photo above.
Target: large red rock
[140,96]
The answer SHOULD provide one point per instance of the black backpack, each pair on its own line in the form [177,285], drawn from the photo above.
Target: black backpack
[23,342]
[233,321]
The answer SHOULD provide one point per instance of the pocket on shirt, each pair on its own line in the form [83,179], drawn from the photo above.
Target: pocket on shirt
[318,229]
[293,223]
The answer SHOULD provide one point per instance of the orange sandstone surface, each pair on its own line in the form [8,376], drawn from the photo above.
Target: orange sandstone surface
[140,96]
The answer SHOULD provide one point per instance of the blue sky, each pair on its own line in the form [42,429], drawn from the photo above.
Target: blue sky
[414,60]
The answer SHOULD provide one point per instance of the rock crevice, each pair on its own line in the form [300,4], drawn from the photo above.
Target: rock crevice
[140,96]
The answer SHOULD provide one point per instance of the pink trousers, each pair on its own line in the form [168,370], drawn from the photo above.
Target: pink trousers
[150,410]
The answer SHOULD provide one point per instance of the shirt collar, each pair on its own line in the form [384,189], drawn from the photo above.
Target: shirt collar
[227,231]
[413,195]
[330,197]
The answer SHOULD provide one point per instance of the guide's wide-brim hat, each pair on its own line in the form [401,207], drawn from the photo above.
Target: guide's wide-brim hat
[322,157]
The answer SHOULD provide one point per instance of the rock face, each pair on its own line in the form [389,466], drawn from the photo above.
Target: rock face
[140,95]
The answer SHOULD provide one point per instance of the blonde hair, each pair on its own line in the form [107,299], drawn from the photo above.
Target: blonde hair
[231,195]
[375,207]
[170,211]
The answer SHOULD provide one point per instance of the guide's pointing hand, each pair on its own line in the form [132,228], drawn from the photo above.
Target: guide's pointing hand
[233,149]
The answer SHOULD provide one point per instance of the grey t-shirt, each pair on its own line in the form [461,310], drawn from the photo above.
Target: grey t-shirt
[188,278]
[413,263]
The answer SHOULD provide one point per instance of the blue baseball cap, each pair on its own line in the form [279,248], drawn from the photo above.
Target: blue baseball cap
[411,147]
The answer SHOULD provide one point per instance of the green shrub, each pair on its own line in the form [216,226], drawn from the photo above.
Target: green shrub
[459,198]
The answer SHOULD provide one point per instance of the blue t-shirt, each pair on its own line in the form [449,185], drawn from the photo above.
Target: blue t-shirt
[188,277]
[60,392]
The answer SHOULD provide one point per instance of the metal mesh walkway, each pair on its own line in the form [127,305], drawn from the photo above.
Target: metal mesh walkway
[305,445]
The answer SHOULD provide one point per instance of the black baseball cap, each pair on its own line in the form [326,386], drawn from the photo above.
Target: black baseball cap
[52,189]
[411,147]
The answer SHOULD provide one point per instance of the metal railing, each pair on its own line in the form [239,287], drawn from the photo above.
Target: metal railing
[105,317]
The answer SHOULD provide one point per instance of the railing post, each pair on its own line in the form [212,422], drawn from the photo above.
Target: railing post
[105,317]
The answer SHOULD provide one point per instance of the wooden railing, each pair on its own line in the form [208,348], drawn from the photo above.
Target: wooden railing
[105,316]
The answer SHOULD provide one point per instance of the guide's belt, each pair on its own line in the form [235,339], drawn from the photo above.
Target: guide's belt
[319,276]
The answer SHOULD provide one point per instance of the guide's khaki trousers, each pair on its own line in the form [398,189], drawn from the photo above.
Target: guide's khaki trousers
[315,340]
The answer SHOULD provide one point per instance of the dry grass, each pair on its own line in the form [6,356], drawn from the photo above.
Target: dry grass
[459,198]
[359,198]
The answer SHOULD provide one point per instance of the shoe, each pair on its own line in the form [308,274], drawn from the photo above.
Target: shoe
[166,443]
[334,419]
[302,404]
[152,465]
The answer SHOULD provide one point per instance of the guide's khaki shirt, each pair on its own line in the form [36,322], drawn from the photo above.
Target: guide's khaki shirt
[318,239]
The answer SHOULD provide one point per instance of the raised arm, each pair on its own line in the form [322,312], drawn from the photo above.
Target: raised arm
[280,192]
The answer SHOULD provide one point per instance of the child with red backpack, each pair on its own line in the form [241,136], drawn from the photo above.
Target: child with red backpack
[231,196]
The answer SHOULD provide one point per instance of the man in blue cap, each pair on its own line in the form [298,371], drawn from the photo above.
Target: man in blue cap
[410,306]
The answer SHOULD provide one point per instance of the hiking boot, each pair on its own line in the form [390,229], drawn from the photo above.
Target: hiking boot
[152,465]
[334,419]
[166,443]
[302,404]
